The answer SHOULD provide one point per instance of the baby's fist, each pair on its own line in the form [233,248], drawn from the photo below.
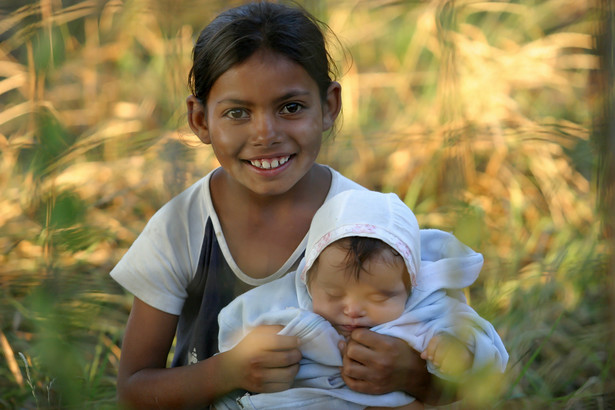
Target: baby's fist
[448,354]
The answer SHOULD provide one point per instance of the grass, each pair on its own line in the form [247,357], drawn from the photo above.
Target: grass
[484,116]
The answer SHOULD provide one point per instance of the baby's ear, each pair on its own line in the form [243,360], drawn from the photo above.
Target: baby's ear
[197,118]
[332,105]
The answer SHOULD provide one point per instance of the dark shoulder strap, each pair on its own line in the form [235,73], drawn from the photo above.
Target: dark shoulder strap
[213,287]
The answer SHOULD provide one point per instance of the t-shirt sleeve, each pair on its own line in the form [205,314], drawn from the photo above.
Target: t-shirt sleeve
[159,265]
[340,183]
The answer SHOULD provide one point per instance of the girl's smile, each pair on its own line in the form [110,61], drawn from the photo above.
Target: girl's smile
[270,163]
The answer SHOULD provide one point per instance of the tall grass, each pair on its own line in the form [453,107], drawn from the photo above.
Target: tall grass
[478,114]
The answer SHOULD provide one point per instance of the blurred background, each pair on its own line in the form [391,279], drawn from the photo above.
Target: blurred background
[491,119]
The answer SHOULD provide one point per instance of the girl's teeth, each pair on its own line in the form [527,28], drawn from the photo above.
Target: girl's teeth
[269,164]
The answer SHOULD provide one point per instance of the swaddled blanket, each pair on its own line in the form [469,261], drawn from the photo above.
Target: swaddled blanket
[436,305]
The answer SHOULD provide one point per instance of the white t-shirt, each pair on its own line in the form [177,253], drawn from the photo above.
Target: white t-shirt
[163,260]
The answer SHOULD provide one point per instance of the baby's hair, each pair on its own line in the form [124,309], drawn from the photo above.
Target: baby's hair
[361,249]
[236,34]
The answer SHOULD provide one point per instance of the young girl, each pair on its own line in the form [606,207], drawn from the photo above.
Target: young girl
[262,95]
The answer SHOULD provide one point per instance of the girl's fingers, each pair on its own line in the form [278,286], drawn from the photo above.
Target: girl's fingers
[354,369]
[281,358]
[282,374]
[273,379]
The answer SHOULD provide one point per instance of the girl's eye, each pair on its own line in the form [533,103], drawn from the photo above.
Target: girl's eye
[236,114]
[291,108]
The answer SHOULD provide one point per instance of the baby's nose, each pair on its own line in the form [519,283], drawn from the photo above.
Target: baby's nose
[354,309]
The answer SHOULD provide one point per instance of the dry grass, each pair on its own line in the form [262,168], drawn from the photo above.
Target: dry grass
[478,114]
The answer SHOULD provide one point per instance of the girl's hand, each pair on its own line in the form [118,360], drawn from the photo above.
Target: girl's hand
[448,354]
[263,362]
[378,364]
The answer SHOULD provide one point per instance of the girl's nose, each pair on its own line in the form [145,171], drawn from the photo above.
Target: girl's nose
[265,131]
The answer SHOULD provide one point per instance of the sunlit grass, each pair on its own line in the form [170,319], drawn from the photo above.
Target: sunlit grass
[478,114]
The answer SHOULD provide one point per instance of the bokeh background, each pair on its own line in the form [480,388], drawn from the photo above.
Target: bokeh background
[491,119]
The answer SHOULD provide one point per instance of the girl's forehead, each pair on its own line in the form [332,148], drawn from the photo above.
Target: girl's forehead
[268,62]
[265,73]
[267,56]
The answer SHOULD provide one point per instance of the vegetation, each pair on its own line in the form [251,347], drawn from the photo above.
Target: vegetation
[484,116]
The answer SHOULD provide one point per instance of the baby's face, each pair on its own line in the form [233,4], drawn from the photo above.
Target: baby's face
[379,295]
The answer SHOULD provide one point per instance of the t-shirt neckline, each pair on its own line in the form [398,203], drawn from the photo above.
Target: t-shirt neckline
[291,262]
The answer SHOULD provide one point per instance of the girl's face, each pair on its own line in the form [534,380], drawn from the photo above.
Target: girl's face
[264,119]
[378,296]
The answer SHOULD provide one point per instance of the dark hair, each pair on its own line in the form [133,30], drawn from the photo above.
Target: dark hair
[359,250]
[238,33]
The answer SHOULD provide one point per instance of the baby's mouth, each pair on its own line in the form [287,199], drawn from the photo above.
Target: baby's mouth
[270,163]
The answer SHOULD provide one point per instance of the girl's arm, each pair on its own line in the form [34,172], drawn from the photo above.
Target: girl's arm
[143,379]
[265,362]
[378,364]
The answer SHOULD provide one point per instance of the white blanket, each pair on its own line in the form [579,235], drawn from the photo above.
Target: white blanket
[436,304]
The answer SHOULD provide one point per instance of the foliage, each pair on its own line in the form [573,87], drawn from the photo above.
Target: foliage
[478,114]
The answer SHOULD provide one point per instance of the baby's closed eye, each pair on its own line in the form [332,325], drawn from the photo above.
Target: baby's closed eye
[379,297]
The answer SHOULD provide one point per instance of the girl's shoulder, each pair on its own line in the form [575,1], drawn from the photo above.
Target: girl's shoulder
[195,198]
[161,262]
[340,183]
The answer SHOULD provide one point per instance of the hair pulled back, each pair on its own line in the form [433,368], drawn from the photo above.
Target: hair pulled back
[236,34]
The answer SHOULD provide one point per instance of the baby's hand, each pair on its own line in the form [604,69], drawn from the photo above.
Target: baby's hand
[448,354]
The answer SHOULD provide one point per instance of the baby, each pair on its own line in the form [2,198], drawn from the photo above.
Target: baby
[361,282]
[367,265]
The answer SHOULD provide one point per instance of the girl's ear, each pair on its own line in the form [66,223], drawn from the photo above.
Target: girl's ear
[197,118]
[332,105]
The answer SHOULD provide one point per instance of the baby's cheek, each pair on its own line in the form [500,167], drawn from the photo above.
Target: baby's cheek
[392,311]
[317,307]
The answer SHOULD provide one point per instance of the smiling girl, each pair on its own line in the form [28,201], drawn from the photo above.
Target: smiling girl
[263,93]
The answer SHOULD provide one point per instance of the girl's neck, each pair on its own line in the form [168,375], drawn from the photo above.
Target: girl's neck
[263,231]
[312,188]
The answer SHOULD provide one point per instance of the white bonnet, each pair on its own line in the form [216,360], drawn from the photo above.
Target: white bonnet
[369,214]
